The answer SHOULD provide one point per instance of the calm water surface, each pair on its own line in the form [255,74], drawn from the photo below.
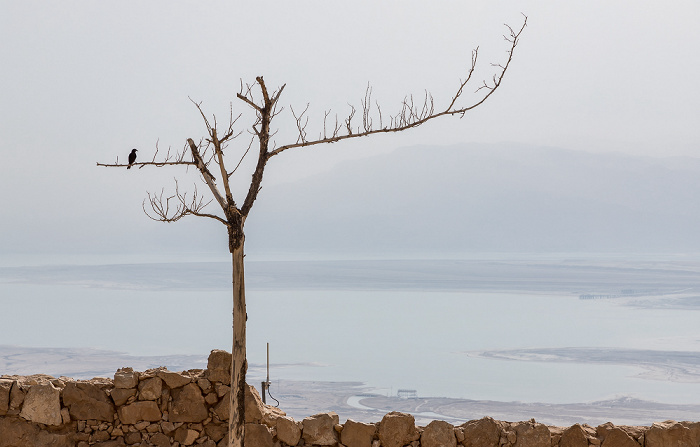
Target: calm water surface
[388,338]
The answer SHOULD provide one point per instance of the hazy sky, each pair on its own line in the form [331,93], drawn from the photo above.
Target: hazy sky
[85,81]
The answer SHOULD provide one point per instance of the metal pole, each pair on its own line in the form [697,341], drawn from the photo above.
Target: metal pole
[266,383]
[268,364]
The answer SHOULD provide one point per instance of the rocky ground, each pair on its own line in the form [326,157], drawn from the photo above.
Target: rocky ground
[160,408]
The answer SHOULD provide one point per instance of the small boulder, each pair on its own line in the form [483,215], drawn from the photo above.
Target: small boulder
[258,435]
[133,437]
[160,440]
[126,378]
[18,432]
[150,389]
[16,398]
[354,434]
[616,437]
[142,410]
[532,434]
[87,400]
[253,406]
[438,434]
[173,379]
[319,429]
[217,431]
[484,432]
[219,367]
[574,436]
[188,404]
[204,384]
[257,412]
[42,404]
[121,395]
[223,408]
[5,387]
[288,431]
[185,436]
[397,429]
[668,433]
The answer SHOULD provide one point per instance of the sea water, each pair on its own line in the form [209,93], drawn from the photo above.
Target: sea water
[386,337]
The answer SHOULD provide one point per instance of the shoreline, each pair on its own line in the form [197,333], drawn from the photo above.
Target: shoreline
[350,400]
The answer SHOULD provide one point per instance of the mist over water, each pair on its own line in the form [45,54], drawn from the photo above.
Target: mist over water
[496,329]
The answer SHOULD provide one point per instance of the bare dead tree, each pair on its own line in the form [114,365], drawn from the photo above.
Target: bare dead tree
[208,156]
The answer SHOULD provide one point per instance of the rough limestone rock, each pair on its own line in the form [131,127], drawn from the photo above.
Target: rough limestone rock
[150,389]
[258,435]
[111,443]
[86,400]
[255,411]
[204,384]
[271,414]
[142,410]
[603,429]
[694,429]
[42,404]
[188,404]
[121,395]
[65,415]
[484,432]
[126,378]
[438,434]
[5,387]
[160,440]
[174,380]
[223,408]
[253,406]
[133,438]
[219,367]
[319,429]
[355,434]
[16,399]
[99,436]
[16,432]
[217,431]
[574,436]
[669,433]
[616,437]
[288,431]
[185,436]
[532,434]
[397,429]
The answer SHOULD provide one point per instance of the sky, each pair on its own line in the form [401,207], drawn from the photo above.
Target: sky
[87,81]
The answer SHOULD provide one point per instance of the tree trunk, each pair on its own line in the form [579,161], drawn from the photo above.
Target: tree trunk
[239,364]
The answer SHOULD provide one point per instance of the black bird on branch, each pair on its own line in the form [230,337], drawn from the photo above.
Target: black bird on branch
[132,158]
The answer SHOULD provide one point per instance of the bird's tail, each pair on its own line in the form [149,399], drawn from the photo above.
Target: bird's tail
[128,167]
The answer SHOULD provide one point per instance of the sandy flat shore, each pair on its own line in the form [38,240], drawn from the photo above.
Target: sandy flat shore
[663,365]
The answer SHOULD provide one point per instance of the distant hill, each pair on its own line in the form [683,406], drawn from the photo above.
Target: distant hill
[485,198]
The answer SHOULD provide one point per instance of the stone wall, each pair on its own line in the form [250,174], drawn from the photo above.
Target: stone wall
[161,408]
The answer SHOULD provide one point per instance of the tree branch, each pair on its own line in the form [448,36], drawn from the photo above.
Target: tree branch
[265,113]
[141,164]
[163,212]
[207,175]
[410,115]
[169,160]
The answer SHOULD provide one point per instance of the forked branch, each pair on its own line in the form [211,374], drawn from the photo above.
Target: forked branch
[175,207]
[411,114]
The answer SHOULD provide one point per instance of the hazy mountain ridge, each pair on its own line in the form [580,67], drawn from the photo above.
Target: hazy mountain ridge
[472,197]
